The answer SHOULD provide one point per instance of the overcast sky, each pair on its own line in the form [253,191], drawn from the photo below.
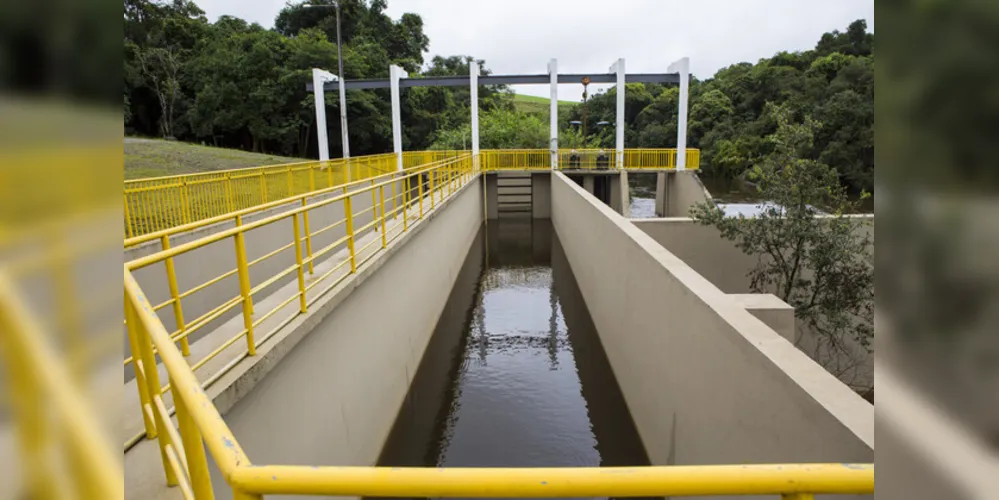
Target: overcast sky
[520,36]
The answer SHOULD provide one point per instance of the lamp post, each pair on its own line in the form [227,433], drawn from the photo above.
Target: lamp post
[345,142]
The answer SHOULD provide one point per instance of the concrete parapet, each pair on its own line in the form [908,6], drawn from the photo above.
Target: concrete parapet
[706,382]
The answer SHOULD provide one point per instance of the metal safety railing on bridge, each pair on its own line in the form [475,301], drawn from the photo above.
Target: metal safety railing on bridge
[398,201]
[587,159]
[159,203]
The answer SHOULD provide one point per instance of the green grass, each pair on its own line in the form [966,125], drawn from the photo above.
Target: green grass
[154,158]
[535,104]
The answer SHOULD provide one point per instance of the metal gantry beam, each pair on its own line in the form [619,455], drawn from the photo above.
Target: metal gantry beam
[542,79]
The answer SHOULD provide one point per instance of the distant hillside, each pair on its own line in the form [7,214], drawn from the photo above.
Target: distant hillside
[534,104]
[153,158]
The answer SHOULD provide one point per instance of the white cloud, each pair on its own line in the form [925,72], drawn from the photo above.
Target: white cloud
[520,36]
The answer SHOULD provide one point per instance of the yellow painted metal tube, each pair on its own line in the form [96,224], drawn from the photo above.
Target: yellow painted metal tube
[244,290]
[197,462]
[178,311]
[218,438]
[558,482]
[298,263]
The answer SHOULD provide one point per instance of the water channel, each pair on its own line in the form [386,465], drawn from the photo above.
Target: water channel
[514,375]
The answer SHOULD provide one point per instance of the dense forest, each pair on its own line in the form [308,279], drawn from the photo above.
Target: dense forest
[235,84]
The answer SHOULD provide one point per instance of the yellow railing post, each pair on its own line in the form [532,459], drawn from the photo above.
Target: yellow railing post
[133,327]
[394,206]
[243,271]
[178,311]
[405,203]
[419,193]
[302,306]
[263,188]
[291,182]
[153,388]
[185,201]
[381,204]
[194,449]
[348,214]
[308,236]
[230,202]
[433,196]
[128,217]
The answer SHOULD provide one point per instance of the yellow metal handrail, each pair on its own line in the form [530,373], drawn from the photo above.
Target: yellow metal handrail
[53,422]
[184,458]
[587,159]
[158,203]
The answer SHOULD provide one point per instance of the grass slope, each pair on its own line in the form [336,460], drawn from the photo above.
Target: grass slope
[154,158]
[535,104]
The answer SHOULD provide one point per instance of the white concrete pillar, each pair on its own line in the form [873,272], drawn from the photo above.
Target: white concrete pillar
[618,67]
[473,78]
[553,118]
[395,73]
[344,139]
[683,67]
[320,77]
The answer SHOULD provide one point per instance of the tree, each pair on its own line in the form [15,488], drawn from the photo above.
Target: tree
[161,67]
[818,265]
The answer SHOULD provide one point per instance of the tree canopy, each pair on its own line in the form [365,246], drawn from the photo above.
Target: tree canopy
[235,84]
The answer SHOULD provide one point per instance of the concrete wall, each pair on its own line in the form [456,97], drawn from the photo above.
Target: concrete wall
[706,382]
[333,398]
[619,196]
[727,267]
[541,195]
[492,195]
[683,191]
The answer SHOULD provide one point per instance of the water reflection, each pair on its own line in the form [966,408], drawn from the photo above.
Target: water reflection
[515,374]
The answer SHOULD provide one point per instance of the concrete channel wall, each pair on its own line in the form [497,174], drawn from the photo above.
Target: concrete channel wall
[333,398]
[727,267]
[706,382]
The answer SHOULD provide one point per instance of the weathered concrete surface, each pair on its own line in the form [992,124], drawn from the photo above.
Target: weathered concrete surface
[772,311]
[333,398]
[619,197]
[492,195]
[924,452]
[683,191]
[727,267]
[706,382]
[541,193]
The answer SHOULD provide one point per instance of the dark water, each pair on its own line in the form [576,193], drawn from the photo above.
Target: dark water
[514,375]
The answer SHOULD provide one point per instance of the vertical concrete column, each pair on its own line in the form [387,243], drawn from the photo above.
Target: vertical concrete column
[625,194]
[473,78]
[662,193]
[553,112]
[683,68]
[319,78]
[618,68]
[395,73]
[589,184]
[344,139]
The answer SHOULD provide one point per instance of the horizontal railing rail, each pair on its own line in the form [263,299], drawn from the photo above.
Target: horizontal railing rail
[200,426]
[158,203]
[228,216]
[587,159]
